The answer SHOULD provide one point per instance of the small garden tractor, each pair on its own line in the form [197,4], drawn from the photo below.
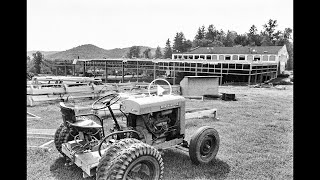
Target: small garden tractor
[131,150]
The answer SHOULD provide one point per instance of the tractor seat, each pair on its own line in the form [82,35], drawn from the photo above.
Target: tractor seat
[85,124]
[80,122]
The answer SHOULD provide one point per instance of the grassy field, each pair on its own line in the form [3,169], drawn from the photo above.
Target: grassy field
[256,134]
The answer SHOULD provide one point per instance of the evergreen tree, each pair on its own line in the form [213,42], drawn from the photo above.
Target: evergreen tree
[216,43]
[201,43]
[37,60]
[168,50]
[284,37]
[178,42]
[187,45]
[158,53]
[269,34]
[229,39]
[147,53]
[221,35]
[254,39]
[200,33]
[211,33]
[241,39]
[134,52]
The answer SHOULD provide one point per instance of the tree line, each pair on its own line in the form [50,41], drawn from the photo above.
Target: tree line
[204,37]
[213,37]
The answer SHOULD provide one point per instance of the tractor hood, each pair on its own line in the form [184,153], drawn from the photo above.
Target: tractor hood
[144,105]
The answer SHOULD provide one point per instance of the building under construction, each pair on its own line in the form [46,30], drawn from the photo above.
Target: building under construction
[232,64]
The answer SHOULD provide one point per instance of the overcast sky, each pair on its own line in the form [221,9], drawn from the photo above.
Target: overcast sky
[58,25]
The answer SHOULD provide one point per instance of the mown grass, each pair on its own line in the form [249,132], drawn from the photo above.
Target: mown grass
[256,139]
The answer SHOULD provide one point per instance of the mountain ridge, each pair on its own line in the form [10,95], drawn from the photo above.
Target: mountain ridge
[88,51]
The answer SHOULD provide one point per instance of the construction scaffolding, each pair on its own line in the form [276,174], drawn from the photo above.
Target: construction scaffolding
[145,70]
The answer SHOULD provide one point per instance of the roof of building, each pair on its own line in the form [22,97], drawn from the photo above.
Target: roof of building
[235,50]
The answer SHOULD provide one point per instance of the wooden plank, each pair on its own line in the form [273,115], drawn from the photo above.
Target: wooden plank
[38,137]
[45,144]
[30,116]
[46,90]
[194,97]
[48,132]
[202,114]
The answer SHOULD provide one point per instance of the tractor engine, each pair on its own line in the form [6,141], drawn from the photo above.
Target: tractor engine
[157,118]
[158,122]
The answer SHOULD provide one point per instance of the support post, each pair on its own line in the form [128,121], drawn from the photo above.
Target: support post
[196,69]
[174,74]
[137,71]
[277,69]
[65,69]
[94,68]
[106,71]
[249,78]
[255,78]
[154,70]
[122,72]
[84,68]
[221,74]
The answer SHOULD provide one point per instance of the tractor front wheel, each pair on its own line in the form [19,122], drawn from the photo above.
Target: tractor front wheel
[204,145]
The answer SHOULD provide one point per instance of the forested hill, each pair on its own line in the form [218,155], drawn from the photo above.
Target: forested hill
[45,53]
[89,51]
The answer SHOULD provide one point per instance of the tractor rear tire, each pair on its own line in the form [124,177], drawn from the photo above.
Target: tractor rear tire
[57,134]
[204,145]
[64,134]
[61,136]
[138,159]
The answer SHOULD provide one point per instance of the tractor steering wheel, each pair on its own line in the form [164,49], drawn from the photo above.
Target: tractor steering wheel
[158,80]
[105,101]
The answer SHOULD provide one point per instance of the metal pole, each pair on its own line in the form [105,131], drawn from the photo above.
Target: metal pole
[84,68]
[154,70]
[249,78]
[122,72]
[94,68]
[255,78]
[137,71]
[106,71]
[196,69]
[174,74]
[221,74]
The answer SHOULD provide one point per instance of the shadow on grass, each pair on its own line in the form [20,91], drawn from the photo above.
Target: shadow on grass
[178,166]
[61,172]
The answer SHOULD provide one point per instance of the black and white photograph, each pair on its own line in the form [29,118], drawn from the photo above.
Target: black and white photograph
[159,90]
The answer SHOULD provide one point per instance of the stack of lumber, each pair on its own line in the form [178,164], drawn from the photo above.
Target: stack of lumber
[65,91]
[64,88]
